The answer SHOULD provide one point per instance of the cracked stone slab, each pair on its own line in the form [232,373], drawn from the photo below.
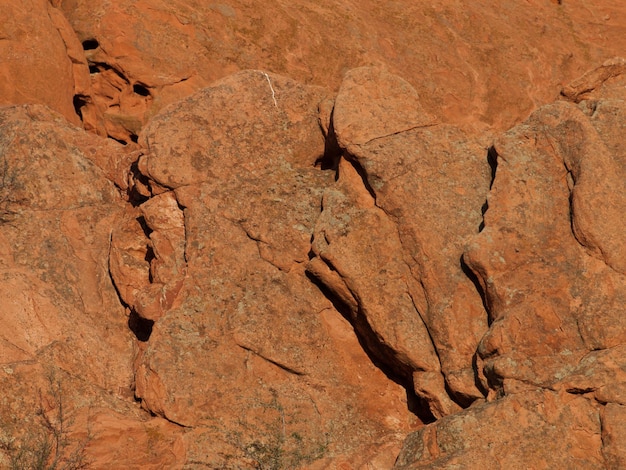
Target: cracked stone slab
[248,356]
[427,184]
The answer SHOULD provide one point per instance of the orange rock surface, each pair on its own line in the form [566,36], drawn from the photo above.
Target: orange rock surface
[325,235]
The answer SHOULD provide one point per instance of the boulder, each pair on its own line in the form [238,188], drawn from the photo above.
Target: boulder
[532,430]
[392,232]
[549,262]
[249,356]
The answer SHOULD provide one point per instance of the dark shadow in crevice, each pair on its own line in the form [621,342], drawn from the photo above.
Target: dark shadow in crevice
[141,90]
[464,401]
[381,355]
[332,151]
[144,226]
[472,276]
[141,327]
[134,197]
[477,382]
[363,174]
[483,210]
[119,141]
[99,67]
[492,159]
[90,44]
[79,101]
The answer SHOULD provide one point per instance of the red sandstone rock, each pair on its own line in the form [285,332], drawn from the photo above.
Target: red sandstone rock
[549,261]
[474,62]
[65,346]
[539,429]
[554,172]
[208,241]
[251,356]
[41,59]
[393,235]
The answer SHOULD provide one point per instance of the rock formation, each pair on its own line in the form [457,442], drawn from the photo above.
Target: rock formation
[303,235]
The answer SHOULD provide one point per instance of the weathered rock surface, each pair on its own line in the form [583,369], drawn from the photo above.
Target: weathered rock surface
[540,429]
[247,353]
[37,43]
[272,274]
[549,261]
[473,63]
[391,235]
[65,348]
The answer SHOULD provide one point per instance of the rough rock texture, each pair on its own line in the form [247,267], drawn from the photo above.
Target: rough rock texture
[65,347]
[36,43]
[301,272]
[540,429]
[472,62]
[393,230]
[245,351]
[550,263]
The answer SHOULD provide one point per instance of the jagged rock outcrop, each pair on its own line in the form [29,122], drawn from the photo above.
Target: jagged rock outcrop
[476,64]
[549,261]
[392,232]
[42,61]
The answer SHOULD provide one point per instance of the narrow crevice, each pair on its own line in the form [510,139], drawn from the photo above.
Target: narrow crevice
[492,160]
[141,327]
[363,174]
[479,385]
[119,141]
[144,226]
[98,67]
[134,197]
[281,366]
[473,277]
[464,401]
[79,101]
[483,210]
[381,355]
[332,152]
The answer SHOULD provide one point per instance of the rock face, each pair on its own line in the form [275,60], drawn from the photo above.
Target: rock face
[409,256]
[66,350]
[549,261]
[474,63]
[392,232]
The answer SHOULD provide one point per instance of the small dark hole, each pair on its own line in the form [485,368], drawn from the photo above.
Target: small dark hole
[141,90]
[90,44]
[140,326]
[79,102]
[94,69]
[134,138]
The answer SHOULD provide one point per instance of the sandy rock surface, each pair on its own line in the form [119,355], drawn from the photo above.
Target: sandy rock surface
[337,235]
